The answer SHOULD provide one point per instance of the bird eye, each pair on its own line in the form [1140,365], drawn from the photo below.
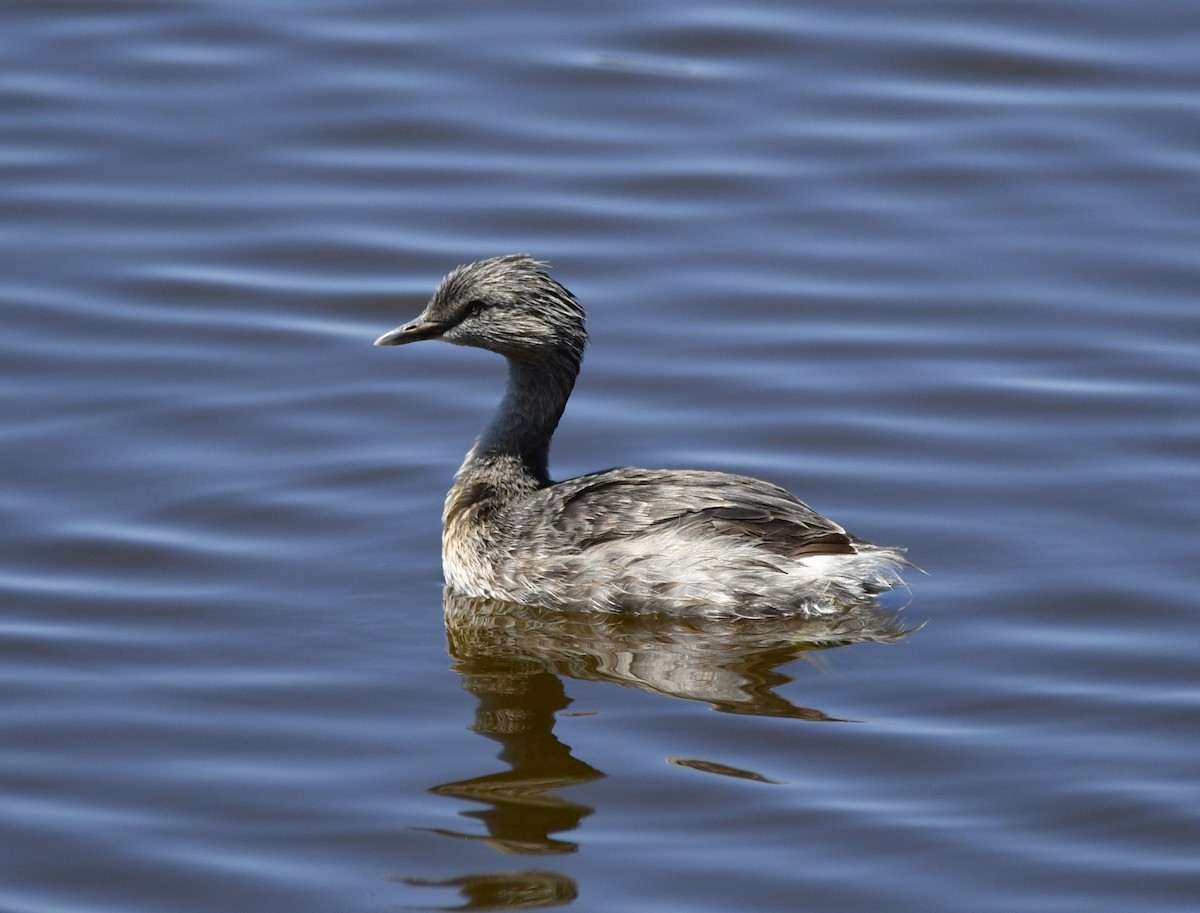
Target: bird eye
[475,306]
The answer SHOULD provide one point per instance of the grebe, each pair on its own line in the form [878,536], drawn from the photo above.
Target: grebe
[623,540]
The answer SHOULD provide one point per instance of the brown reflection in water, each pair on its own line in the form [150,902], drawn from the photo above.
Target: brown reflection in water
[724,770]
[729,663]
[525,890]
[514,658]
[518,700]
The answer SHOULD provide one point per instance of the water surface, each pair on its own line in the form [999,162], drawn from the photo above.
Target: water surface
[931,266]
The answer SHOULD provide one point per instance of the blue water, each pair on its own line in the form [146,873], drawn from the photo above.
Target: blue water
[931,266]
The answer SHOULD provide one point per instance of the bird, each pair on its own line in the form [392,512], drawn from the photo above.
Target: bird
[624,540]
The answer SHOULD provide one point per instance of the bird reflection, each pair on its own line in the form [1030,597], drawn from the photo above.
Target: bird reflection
[729,663]
[514,658]
[506,890]
[518,700]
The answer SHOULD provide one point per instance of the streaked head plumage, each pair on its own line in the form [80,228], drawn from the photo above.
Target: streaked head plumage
[509,304]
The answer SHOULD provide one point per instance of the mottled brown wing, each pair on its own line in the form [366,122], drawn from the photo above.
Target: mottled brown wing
[625,503]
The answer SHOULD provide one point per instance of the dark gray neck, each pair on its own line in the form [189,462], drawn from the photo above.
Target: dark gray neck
[525,421]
